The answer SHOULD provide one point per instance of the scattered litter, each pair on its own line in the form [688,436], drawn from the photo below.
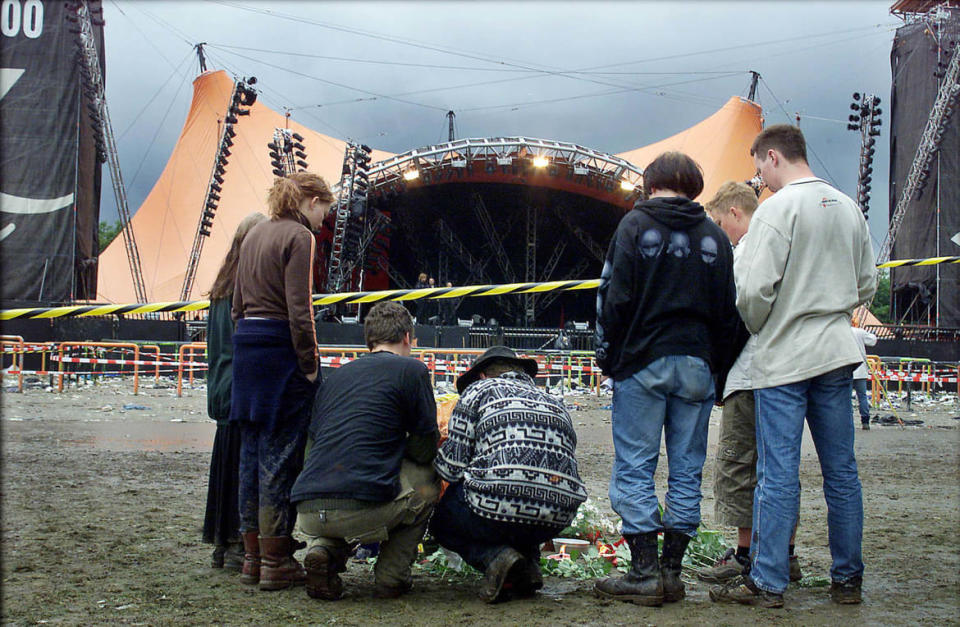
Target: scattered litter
[107,408]
[177,420]
[125,607]
[129,406]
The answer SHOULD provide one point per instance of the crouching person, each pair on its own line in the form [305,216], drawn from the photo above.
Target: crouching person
[514,482]
[367,476]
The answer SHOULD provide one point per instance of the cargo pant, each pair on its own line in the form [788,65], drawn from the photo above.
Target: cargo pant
[398,525]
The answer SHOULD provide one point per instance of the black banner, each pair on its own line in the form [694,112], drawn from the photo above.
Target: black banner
[931,224]
[40,130]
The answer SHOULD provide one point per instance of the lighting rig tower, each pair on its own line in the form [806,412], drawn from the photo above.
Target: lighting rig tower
[349,221]
[866,120]
[287,152]
[106,146]
[243,96]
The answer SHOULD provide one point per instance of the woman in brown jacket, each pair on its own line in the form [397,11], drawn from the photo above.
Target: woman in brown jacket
[275,372]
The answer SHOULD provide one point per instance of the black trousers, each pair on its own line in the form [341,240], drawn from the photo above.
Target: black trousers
[478,539]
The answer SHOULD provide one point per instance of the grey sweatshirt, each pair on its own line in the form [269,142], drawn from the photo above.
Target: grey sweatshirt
[805,266]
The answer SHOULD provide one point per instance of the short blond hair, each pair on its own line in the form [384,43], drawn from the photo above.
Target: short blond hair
[733,194]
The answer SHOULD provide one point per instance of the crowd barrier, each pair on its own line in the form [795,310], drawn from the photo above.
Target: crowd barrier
[557,369]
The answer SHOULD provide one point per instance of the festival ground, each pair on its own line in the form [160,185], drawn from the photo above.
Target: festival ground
[102,509]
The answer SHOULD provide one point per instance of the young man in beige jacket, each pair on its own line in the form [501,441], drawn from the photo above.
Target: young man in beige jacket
[806,264]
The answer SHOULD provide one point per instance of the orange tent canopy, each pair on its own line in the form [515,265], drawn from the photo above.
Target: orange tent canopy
[720,144]
[165,224]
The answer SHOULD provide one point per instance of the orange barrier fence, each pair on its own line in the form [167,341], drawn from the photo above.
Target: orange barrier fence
[567,369]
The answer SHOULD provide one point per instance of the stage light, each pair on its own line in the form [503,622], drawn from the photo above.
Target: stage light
[230,131]
[209,215]
[366,149]
[297,136]
[213,196]
[627,186]
[856,95]
[300,154]
[411,175]
[218,178]
[279,173]
[231,119]
[216,188]
[302,164]
[251,81]
[204,233]
[540,161]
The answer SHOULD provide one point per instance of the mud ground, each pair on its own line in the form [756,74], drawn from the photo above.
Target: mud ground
[102,510]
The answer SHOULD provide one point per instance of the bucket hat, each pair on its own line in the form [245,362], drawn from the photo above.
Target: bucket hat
[492,354]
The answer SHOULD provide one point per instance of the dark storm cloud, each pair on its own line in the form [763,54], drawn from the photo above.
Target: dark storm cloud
[812,56]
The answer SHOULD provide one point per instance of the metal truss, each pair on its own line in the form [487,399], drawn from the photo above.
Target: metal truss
[597,250]
[210,199]
[95,91]
[554,259]
[504,152]
[926,149]
[496,244]
[476,269]
[547,299]
[530,274]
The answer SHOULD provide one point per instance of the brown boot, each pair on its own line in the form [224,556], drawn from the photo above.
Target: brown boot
[279,569]
[323,574]
[250,572]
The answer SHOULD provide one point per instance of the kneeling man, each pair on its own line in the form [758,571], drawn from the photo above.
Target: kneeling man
[367,476]
[514,482]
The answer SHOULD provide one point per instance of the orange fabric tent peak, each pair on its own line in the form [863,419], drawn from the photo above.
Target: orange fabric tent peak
[165,224]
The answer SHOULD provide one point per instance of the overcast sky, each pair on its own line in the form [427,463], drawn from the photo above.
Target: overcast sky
[611,76]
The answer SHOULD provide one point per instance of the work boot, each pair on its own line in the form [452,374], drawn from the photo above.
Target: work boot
[233,556]
[671,564]
[279,569]
[723,570]
[742,590]
[643,584]
[498,571]
[846,592]
[216,560]
[796,574]
[527,579]
[323,579]
[250,571]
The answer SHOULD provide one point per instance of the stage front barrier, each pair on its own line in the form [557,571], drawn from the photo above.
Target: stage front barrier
[558,370]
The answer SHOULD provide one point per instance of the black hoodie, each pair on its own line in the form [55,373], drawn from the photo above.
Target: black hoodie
[666,289]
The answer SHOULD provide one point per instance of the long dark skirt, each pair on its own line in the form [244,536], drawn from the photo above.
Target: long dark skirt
[221,524]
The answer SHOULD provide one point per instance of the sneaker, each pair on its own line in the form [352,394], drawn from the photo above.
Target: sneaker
[742,590]
[725,569]
[846,592]
[795,573]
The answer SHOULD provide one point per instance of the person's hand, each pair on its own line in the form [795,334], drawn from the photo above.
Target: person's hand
[312,376]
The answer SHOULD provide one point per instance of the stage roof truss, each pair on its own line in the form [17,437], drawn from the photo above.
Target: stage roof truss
[497,150]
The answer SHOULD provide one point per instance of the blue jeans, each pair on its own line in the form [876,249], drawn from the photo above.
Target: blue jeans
[672,395]
[863,399]
[825,401]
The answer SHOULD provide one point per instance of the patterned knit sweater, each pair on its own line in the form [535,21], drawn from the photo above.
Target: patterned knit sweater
[513,447]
